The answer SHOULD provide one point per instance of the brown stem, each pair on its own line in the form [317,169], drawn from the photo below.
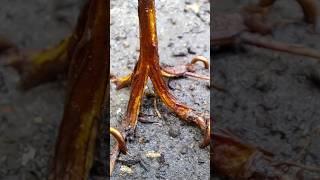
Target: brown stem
[87,86]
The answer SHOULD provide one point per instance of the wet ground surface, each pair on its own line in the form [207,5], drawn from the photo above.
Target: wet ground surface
[271,101]
[183,32]
[29,120]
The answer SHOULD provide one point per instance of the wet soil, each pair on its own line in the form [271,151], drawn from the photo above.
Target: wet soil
[183,32]
[272,98]
[30,120]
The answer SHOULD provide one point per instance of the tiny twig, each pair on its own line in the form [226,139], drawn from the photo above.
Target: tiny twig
[156,108]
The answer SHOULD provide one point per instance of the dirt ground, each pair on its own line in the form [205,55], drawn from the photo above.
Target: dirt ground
[272,98]
[183,32]
[29,120]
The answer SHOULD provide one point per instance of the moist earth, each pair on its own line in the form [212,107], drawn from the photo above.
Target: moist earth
[30,120]
[183,32]
[272,98]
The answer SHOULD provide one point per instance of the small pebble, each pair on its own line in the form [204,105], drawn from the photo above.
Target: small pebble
[29,155]
[152,154]
[201,161]
[184,150]
[192,87]
[125,170]
[174,132]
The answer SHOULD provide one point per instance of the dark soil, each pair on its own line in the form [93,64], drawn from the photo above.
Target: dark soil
[272,98]
[30,120]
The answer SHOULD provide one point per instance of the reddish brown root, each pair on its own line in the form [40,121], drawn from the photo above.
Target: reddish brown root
[121,82]
[148,67]
[40,67]
[120,140]
[279,46]
[187,70]
[237,159]
[202,59]
[311,12]
[169,72]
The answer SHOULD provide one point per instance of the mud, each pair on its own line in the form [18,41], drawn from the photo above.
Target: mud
[272,98]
